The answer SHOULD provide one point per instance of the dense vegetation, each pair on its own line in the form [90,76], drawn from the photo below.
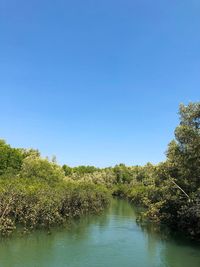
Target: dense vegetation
[37,192]
[34,192]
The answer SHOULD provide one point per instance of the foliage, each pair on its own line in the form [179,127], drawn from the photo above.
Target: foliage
[174,200]
[35,192]
[43,169]
[10,158]
[36,203]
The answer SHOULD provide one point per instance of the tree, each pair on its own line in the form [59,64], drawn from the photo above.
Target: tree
[123,173]
[184,153]
[10,158]
[67,169]
[35,167]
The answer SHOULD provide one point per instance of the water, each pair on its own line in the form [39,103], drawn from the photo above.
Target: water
[111,239]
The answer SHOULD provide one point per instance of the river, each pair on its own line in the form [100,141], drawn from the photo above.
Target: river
[112,238]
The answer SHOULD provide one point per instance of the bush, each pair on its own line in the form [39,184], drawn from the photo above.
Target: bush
[33,203]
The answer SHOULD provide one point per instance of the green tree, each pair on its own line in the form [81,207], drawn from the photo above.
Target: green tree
[35,167]
[123,173]
[184,153]
[67,170]
[10,158]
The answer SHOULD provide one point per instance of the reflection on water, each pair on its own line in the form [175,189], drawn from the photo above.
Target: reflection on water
[111,239]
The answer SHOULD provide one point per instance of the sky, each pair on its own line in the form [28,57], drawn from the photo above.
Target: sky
[97,82]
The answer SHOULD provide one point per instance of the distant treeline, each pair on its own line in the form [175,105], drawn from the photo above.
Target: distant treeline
[37,192]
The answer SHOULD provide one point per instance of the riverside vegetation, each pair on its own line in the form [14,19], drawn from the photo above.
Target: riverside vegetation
[36,192]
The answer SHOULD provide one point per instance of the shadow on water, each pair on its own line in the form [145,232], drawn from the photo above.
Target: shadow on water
[112,238]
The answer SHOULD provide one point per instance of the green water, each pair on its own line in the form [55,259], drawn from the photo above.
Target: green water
[111,239]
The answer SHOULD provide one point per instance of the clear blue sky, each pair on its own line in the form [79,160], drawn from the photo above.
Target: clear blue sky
[97,82]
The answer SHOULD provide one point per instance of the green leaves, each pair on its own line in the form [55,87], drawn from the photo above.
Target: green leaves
[35,167]
[10,158]
[175,198]
[33,203]
[35,192]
